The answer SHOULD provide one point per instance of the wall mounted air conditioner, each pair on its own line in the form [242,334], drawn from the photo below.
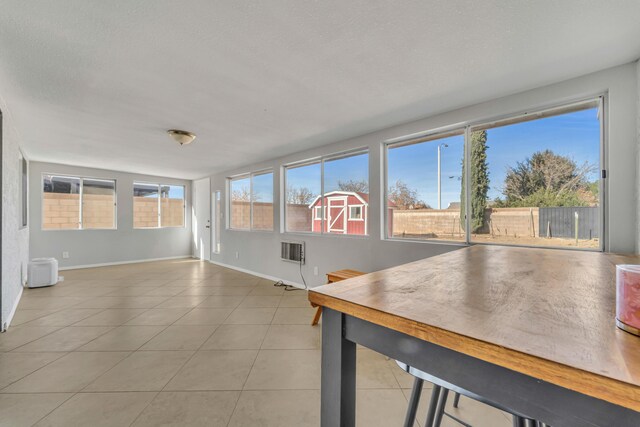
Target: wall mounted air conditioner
[292,251]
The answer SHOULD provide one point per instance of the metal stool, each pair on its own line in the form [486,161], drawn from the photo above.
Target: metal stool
[439,397]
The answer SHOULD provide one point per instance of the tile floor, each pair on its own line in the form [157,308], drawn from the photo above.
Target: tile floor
[182,343]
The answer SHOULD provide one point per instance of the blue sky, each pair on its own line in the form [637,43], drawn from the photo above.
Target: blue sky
[176,192]
[354,168]
[575,135]
[262,186]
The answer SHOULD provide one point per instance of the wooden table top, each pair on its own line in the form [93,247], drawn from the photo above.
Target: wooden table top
[546,313]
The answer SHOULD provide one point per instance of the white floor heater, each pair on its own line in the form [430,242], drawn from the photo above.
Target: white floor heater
[42,272]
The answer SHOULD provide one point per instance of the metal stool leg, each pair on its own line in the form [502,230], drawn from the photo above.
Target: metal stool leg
[456,400]
[441,406]
[413,403]
[433,403]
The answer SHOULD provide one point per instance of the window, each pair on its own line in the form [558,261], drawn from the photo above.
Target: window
[302,186]
[424,183]
[158,205]
[171,206]
[355,212]
[343,180]
[240,195]
[98,203]
[24,190]
[74,203]
[534,180]
[262,201]
[251,202]
[217,212]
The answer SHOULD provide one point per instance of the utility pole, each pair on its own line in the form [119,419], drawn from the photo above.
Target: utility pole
[440,146]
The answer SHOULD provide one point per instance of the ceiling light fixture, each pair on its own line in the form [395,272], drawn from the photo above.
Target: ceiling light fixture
[182,137]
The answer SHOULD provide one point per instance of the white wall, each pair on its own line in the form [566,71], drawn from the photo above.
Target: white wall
[89,247]
[638,148]
[15,238]
[259,251]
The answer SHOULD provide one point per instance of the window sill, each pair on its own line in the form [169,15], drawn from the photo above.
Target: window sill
[330,235]
[160,228]
[247,230]
[428,241]
[78,229]
[566,248]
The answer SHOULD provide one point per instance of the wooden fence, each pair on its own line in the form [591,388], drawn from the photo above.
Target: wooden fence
[561,222]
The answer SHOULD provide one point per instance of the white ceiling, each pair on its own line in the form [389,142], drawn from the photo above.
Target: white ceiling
[96,83]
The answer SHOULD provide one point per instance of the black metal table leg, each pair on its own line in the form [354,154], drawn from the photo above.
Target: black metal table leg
[338,393]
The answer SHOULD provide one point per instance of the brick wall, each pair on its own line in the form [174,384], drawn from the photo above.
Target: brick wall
[446,223]
[262,215]
[517,222]
[298,218]
[240,215]
[427,222]
[172,212]
[61,211]
[145,212]
[98,211]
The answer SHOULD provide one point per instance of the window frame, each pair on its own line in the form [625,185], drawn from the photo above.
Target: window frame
[80,202]
[159,186]
[418,138]
[321,160]
[538,112]
[351,217]
[229,199]
[216,212]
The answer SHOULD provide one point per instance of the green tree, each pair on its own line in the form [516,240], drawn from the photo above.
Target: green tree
[479,181]
[547,179]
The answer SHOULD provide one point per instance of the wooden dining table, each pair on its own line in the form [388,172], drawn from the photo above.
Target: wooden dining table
[531,329]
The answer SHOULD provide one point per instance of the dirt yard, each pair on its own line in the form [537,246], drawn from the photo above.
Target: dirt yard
[511,240]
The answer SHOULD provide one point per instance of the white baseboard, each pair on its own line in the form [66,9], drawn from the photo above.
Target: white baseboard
[255,273]
[137,261]
[6,323]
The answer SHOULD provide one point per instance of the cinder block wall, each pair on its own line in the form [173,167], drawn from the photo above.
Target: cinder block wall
[443,223]
[262,215]
[61,211]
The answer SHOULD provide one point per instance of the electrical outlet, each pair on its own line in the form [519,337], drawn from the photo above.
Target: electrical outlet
[315,270]
[237,255]
[65,255]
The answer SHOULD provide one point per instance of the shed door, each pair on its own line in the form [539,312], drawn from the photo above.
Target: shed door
[337,216]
